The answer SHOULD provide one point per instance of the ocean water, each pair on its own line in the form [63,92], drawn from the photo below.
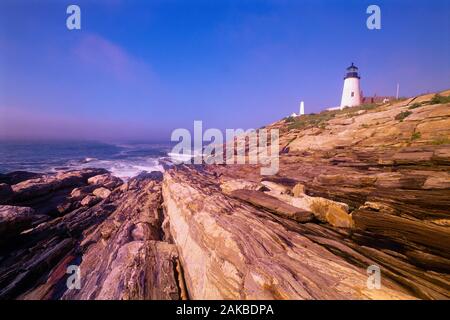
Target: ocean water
[122,160]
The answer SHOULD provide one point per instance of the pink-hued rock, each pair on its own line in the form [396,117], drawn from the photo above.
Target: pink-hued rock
[14,220]
[37,187]
[105,180]
[118,244]
[126,256]
[90,200]
[230,250]
[102,193]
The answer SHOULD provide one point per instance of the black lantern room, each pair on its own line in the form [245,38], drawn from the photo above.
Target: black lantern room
[352,72]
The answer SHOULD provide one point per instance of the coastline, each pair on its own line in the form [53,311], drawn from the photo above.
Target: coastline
[357,190]
[123,160]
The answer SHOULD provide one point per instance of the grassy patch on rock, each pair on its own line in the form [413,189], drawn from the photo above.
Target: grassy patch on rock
[415,136]
[441,140]
[311,120]
[319,120]
[402,115]
[438,99]
[414,106]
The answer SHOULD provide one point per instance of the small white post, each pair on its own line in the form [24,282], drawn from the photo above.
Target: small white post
[398,89]
[302,108]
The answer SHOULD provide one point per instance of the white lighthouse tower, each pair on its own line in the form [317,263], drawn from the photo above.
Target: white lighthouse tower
[351,94]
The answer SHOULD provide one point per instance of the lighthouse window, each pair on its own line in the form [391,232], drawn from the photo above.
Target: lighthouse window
[353,94]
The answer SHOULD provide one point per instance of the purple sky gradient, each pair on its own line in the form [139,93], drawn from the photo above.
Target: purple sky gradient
[137,70]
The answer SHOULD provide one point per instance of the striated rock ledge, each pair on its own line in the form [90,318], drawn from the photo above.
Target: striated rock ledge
[231,250]
[356,188]
[116,241]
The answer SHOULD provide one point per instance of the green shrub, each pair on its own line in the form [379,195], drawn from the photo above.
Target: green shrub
[289,119]
[441,140]
[415,136]
[312,120]
[438,99]
[319,120]
[402,115]
[415,106]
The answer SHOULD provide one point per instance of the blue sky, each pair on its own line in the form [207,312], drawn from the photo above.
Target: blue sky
[139,69]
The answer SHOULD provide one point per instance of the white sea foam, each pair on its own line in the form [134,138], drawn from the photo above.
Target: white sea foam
[178,157]
[124,161]
[184,157]
[124,169]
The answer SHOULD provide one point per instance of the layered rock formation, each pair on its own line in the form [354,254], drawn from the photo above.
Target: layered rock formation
[116,240]
[231,250]
[363,187]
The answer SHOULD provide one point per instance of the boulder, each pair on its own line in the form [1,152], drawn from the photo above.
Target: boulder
[272,204]
[325,210]
[46,184]
[328,211]
[105,180]
[298,190]
[14,220]
[80,192]
[102,193]
[90,200]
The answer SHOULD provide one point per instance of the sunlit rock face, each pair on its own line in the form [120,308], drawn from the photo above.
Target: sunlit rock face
[232,250]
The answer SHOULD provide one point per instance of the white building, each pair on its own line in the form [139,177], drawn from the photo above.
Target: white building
[302,110]
[351,94]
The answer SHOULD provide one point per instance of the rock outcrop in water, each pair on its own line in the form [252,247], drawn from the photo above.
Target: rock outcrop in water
[366,186]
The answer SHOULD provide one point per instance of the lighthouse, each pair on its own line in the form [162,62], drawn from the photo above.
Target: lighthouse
[351,94]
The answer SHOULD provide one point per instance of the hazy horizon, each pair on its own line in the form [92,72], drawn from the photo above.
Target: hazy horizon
[137,70]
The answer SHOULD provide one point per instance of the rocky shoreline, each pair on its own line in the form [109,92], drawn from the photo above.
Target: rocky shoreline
[352,192]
